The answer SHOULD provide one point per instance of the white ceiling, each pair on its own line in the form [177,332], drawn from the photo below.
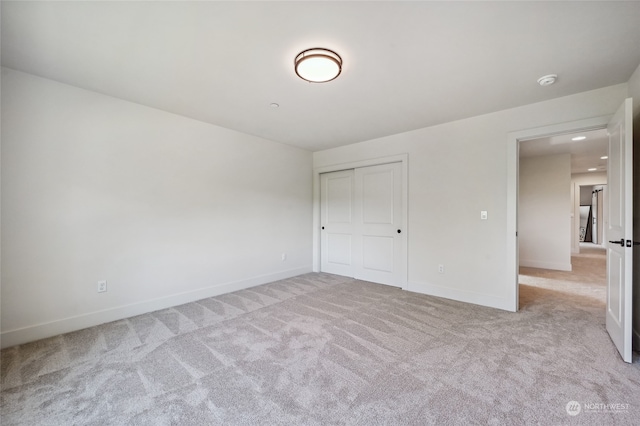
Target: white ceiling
[407,65]
[585,154]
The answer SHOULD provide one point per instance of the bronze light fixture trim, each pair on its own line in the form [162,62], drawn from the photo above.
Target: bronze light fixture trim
[318,65]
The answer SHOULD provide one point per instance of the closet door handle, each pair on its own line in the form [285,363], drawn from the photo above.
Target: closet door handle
[621,242]
[399,231]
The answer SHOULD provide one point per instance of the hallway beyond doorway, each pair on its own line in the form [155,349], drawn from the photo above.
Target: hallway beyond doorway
[587,283]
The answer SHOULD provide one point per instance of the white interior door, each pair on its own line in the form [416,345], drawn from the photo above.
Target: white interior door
[336,218]
[378,224]
[620,230]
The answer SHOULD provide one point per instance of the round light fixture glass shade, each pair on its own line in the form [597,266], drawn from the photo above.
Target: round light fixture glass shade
[318,65]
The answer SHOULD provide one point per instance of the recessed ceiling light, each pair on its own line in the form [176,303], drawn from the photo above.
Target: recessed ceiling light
[579,138]
[274,105]
[547,80]
[593,169]
[318,65]
[604,157]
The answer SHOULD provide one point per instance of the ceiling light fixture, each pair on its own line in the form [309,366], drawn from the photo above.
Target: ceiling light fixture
[579,138]
[593,169]
[547,80]
[318,65]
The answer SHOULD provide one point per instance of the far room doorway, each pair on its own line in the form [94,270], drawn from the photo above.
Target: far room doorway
[562,188]
[592,221]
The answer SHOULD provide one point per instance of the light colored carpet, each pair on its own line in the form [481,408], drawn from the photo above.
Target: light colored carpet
[323,350]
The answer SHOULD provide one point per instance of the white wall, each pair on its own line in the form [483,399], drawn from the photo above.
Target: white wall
[586,195]
[544,212]
[455,171]
[167,209]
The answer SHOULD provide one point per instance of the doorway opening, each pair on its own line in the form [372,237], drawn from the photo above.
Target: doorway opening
[561,215]
[515,143]
[591,226]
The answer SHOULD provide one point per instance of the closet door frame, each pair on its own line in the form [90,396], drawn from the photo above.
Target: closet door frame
[401,158]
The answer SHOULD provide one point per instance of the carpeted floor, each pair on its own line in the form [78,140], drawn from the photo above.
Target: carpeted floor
[326,350]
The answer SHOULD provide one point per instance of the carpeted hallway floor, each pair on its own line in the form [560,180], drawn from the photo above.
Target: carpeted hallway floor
[326,350]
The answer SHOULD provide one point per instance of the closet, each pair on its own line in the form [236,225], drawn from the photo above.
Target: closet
[361,223]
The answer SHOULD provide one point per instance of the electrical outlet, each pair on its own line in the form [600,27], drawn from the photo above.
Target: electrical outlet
[441,269]
[102,286]
[284,256]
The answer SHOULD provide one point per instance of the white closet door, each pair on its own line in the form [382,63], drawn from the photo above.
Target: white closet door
[336,218]
[377,251]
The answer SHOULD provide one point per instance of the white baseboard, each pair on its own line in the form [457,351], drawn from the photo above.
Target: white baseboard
[461,295]
[546,265]
[66,325]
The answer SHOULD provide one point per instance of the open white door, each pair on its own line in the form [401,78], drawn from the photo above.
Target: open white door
[620,230]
